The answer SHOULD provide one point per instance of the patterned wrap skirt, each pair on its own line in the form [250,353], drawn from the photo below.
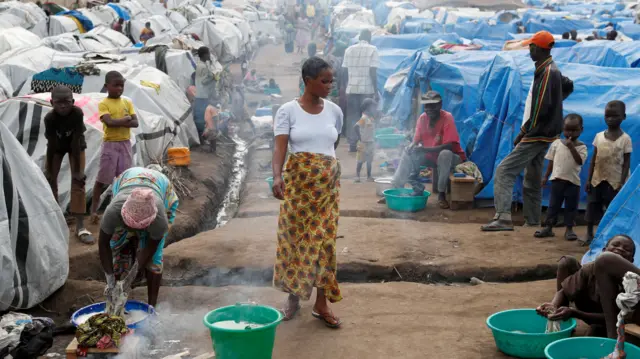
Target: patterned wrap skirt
[308,227]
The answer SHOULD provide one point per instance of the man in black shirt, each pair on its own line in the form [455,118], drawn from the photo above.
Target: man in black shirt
[64,130]
[542,125]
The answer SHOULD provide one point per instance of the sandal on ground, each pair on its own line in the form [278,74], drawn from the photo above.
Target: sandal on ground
[329,319]
[586,242]
[570,236]
[289,313]
[443,204]
[544,233]
[85,236]
[498,225]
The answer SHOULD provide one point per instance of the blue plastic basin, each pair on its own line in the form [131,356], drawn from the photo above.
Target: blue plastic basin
[385,131]
[391,140]
[130,306]
[587,348]
[400,199]
[531,340]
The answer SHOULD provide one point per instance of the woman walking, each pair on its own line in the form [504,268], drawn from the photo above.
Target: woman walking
[303,33]
[308,221]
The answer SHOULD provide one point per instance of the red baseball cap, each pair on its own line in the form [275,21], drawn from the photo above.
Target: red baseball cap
[542,39]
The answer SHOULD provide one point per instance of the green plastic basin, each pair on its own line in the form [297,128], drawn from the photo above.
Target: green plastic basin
[256,343]
[521,332]
[400,199]
[587,348]
[385,131]
[390,140]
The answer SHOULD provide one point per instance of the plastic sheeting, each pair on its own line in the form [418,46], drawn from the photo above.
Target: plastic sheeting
[34,237]
[160,25]
[61,25]
[418,25]
[122,12]
[556,25]
[6,90]
[382,10]
[601,53]
[502,93]
[411,41]
[28,15]
[630,29]
[180,63]
[211,36]
[17,37]
[87,24]
[483,30]
[622,217]
[389,61]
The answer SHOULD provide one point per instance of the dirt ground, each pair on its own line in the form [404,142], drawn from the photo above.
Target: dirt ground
[380,253]
[380,320]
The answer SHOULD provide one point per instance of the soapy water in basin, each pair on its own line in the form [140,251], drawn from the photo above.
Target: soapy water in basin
[130,317]
[232,324]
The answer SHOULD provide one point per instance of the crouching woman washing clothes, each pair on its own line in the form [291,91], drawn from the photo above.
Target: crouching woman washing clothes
[308,221]
[135,225]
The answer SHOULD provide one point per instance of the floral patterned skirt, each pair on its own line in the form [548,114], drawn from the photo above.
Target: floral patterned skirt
[308,226]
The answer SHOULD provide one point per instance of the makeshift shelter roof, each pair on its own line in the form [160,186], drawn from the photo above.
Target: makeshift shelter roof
[134,9]
[94,18]
[30,16]
[383,9]
[122,12]
[20,64]
[160,24]
[35,237]
[601,53]
[60,24]
[503,90]
[180,64]
[106,14]
[177,19]
[411,41]
[6,90]
[192,12]
[65,43]
[622,217]
[212,37]
[17,37]
[417,25]
[150,89]
[107,37]
[390,59]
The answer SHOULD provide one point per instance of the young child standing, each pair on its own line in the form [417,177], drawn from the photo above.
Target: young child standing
[566,157]
[118,117]
[64,130]
[609,167]
[365,133]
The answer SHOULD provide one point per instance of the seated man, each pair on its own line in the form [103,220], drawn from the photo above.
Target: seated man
[440,150]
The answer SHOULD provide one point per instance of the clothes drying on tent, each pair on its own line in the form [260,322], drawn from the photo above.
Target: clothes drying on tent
[47,80]
[441,47]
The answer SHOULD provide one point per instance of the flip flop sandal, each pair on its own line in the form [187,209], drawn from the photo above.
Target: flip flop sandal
[496,226]
[570,236]
[443,204]
[85,236]
[325,317]
[543,233]
[288,316]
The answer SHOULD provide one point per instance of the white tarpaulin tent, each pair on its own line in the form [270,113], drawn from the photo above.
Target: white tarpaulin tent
[135,9]
[6,90]
[17,37]
[31,17]
[107,37]
[180,63]
[177,19]
[20,64]
[105,13]
[95,19]
[64,42]
[150,90]
[34,237]
[62,25]
[150,140]
[192,12]
[210,35]
[160,24]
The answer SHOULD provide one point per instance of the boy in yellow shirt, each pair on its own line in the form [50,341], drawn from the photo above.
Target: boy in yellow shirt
[118,117]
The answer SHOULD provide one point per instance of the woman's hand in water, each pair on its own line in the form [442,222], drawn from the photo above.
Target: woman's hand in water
[545,309]
[278,188]
[562,313]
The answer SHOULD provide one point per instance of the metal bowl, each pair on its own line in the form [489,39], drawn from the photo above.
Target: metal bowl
[382,184]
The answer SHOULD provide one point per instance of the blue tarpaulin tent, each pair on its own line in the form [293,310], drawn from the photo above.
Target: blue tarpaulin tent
[601,53]
[122,12]
[556,25]
[503,91]
[630,29]
[83,20]
[381,11]
[482,30]
[412,41]
[389,61]
[419,25]
[622,217]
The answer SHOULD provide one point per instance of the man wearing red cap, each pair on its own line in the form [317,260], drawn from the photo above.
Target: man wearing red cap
[542,125]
